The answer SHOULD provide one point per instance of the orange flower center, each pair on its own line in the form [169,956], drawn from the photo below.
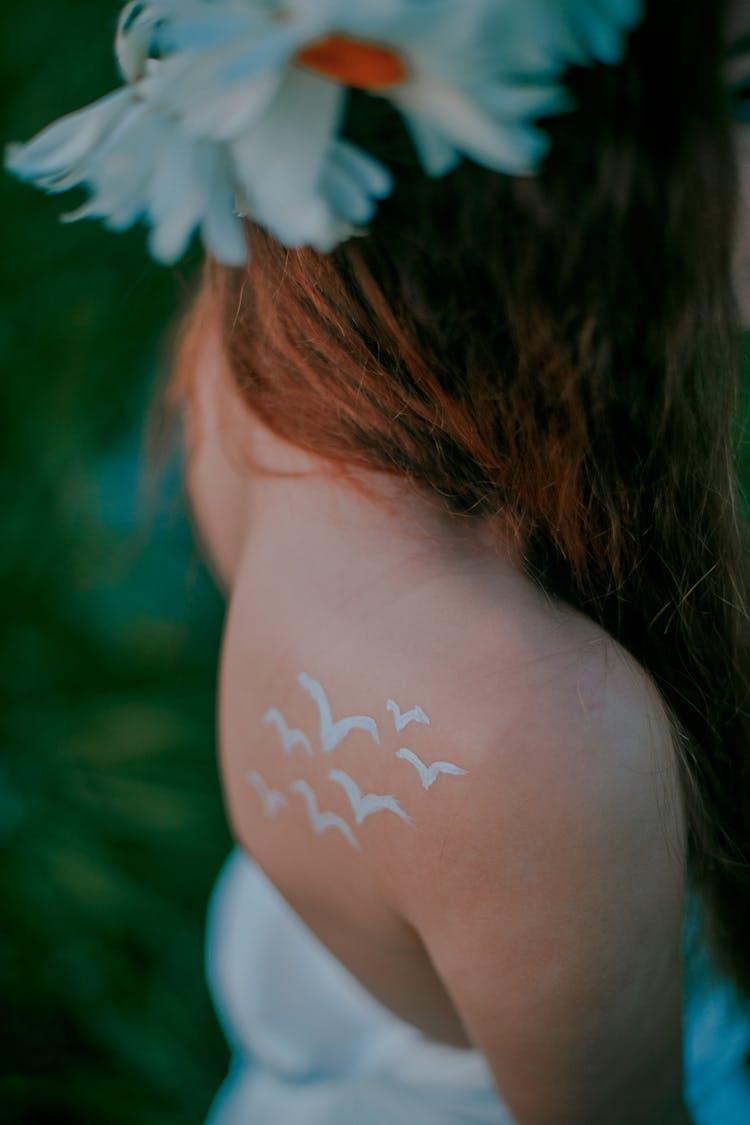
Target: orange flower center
[353,62]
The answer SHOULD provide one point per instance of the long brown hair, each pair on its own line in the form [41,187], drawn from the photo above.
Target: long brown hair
[557,357]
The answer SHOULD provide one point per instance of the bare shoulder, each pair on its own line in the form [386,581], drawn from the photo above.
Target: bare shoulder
[548,887]
[565,737]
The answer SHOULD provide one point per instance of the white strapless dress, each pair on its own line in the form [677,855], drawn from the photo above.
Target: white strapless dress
[310,1045]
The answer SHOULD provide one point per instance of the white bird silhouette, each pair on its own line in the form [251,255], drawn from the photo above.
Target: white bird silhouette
[331,733]
[370,802]
[416,715]
[289,738]
[428,774]
[273,799]
[320,821]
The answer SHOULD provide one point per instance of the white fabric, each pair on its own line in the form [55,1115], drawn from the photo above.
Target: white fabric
[311,1046]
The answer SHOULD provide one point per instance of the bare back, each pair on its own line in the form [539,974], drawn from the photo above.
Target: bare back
[370,661]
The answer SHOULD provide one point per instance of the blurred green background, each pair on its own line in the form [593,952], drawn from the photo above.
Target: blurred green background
[111,825]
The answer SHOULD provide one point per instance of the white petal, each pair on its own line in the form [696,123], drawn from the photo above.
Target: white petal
[134,38]
[125,163]
[437,155]
[87,210]
[373,176]
[219,90]
[271,51]
[514,102]
[503,147]
[241,54]
[383,19]
[311,224]
[345,195]
[279,163]
[628,13]
[206,199]
[177,199]
[477,42]
[598,29]
[188,87]
[120,172]
[54,153]
[601,39]
[222,230]
[201,27]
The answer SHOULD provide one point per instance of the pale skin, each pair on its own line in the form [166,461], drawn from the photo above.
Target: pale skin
[531,906]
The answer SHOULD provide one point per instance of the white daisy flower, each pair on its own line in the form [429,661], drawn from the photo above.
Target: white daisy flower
[469,78]
[234,107]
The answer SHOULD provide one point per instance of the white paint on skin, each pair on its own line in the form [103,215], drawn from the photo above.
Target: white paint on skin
[332,733]
[289,738]
[416,715]
[321,821]
[365,805]
[273,799]
[428,774]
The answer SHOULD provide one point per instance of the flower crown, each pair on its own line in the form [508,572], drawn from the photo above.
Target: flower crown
[233,109]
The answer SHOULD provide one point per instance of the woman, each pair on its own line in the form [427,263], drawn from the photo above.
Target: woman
[468,484]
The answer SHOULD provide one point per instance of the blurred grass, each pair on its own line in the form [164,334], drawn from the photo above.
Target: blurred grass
[111,825]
